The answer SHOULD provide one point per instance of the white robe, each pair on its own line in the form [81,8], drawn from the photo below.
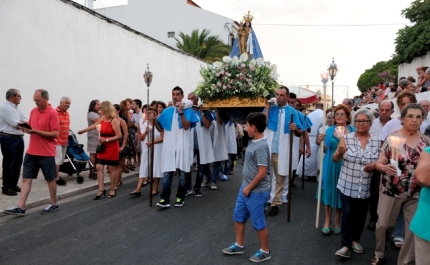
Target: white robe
[177,148]
[230,134]
[311,163]
[143,169]
[284,147]
[206,150]
[220,143]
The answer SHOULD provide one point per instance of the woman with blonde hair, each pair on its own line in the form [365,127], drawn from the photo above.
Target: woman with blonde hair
[109,135]
[330,195]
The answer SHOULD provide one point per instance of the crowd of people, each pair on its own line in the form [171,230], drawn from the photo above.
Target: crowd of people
[360,173]
[390,90]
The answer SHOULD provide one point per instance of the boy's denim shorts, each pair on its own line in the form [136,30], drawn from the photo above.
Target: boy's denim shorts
[251,206]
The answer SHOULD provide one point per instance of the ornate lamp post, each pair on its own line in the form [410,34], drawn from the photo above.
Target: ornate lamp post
[332,70]
[147,76]
[324,80]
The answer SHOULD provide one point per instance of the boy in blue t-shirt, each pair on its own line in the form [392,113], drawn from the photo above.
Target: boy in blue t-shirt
[255,190]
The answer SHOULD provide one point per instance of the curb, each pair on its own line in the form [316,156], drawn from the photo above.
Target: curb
[70,193]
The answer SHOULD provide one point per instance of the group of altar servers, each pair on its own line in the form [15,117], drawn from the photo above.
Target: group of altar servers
[207,135]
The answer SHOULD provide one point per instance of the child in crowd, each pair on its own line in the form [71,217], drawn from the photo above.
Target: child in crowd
[254,192]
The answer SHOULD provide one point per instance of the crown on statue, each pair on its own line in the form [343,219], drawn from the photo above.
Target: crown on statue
[248,17]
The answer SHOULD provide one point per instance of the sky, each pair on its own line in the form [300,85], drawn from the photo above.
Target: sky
[301,53]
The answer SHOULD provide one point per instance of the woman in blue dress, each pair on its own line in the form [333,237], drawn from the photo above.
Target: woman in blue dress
[330,195]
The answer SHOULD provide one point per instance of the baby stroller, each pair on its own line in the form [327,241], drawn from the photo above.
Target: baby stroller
[76,159]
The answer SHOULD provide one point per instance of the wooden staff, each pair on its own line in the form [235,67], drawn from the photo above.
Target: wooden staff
[151,168]
[321,157]
[290,172]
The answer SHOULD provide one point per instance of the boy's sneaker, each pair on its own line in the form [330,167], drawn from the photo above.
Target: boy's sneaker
[260,256]
[234,250]
[15,211]
[163,204]
[179,202]
[50,208]
[197,193]
[206,184]
[189,192]
[213,186]
[61,182]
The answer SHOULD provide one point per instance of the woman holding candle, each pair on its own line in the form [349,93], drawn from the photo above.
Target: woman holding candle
[399,191]
[359,154]
[330,195]
[109,135]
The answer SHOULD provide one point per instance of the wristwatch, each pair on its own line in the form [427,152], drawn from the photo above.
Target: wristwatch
[181,113]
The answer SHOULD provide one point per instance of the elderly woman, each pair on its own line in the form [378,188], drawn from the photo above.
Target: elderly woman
[359,154]
[330,195]
[400,190]
[421,220]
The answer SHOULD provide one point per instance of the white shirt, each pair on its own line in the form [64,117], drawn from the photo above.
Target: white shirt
[10,116]
[376,128]
[395,125]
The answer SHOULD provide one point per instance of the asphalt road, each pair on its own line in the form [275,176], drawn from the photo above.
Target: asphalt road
[125,230]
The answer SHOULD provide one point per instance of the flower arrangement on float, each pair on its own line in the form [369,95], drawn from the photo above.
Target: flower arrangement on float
[238,78]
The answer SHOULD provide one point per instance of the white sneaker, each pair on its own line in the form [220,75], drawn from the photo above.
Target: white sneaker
[284,199]
[213,186]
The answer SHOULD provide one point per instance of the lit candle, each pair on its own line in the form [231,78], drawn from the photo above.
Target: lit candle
[98,127]
[396,143]
[340,131]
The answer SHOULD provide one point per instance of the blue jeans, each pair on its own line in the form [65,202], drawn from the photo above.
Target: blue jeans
[354,211]
[215,173]
[12,149]
[227,164]
[399,228]
[167,185]
[202,170]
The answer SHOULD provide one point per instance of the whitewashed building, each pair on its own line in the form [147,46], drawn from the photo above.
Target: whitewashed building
[163,20]
[72,51]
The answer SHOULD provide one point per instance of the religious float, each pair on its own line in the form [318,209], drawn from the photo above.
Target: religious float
[243,81]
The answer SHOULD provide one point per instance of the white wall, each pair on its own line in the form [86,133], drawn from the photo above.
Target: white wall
[156,17]
[53,45]
[409,69]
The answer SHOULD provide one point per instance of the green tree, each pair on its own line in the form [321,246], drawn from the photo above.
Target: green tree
[414,41]
[208,48]
[370,77]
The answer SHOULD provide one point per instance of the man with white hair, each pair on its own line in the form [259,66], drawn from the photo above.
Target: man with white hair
[426,105]
[63,137]
[11,141]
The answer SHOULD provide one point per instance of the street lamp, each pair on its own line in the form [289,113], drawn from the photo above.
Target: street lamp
[324,80]
[147,77]
[332,70]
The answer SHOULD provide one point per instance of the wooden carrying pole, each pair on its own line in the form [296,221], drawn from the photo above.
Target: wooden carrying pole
[151,165]
[290,171]
[321,154]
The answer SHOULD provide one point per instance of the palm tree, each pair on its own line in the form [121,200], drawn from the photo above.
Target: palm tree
[208,48]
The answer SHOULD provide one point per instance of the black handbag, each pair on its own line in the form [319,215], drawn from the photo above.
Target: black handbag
[100,148]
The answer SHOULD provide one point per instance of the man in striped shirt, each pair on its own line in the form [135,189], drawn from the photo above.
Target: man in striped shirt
[63,136]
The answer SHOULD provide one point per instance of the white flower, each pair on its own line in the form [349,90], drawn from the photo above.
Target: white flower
[217,64]
[260,61]
[274,75]
[235,61]
[252,62]
[273,68]
[226,59]
[244,57]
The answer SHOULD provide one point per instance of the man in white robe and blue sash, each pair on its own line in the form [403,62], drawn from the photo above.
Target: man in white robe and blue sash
[176,121]
[278,134]
[202,146]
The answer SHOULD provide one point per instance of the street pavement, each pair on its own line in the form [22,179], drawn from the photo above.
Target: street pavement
[126,230]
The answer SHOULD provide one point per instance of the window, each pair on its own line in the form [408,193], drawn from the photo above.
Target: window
[171,34]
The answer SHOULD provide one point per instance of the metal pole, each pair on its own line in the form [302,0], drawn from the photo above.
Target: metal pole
[332,93]
[151,167]
[303,165]
[149,149]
